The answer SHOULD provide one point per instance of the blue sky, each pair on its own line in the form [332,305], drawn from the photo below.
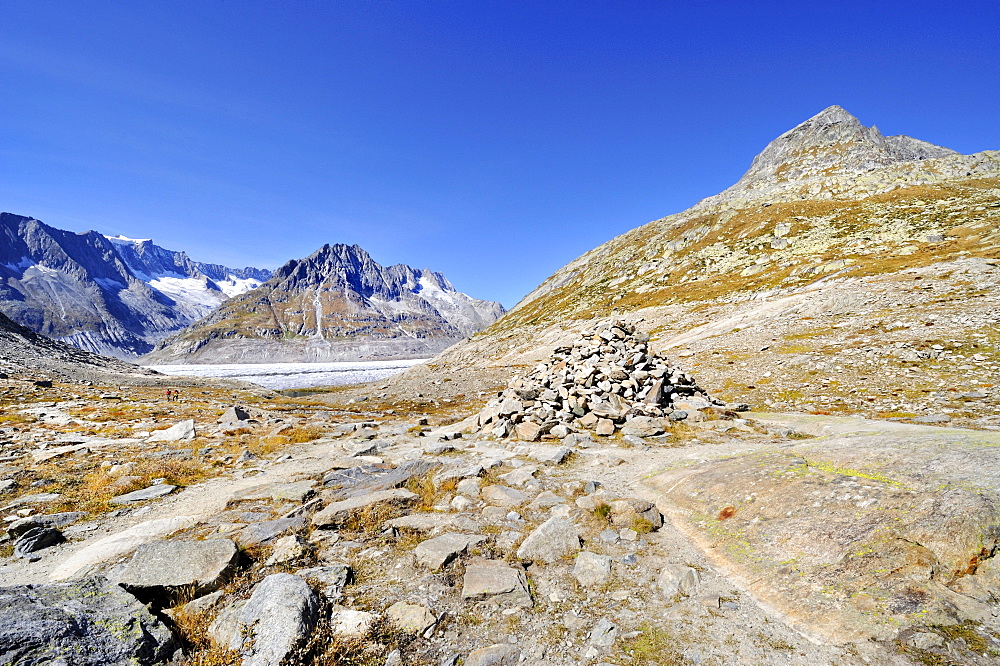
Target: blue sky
[492,141]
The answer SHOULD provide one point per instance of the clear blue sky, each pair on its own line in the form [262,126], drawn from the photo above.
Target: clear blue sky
[492,141]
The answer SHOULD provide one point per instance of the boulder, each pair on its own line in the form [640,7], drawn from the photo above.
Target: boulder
[163,566]
[350,623]
[36,539]
[120,543]
[266,628]
[90,622]
[181,431]
[554,539]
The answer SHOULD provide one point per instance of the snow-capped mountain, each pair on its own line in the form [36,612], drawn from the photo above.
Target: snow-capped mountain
[336,304]
[111,295]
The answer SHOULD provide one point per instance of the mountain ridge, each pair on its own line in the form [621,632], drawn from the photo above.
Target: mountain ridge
[109,295]
[336,304]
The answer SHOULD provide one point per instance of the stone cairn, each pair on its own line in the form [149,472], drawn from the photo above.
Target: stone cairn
[605,381]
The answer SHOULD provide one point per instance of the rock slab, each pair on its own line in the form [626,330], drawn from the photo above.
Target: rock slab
[90,622]
[551,541]
[167,565]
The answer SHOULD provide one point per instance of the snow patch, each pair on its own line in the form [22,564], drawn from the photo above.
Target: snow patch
[108,283]
[194,291]
[234,286]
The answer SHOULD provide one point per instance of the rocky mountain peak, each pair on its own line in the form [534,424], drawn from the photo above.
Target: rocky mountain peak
[827,151]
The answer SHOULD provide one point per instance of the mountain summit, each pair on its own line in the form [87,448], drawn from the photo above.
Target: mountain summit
[337,304]
[827,153]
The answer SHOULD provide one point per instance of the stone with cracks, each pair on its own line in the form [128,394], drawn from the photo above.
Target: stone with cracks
[336,514]
[551,541]
[437,552]
[164,566]
[643,426]
[89,622]
[331,577]
[495,578]
[678,579]
[37,539]
[266,628]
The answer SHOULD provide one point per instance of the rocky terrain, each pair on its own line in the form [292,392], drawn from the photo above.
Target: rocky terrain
[763,430]
[110,295]
[337,304]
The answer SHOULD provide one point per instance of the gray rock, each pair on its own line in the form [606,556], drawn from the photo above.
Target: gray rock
[519,476]
[369,478]
[551,541]
[643,426]
[169,565]
[181,431]
[19,527]
[234,414]
[494,655]
[410,618]
[495,578]
[437,552]
[278,616]
[288,549]
[604,633]
[550,455]
[332,578]
[266,531]
[504,496]
[152,492]
[678,579]
[468,487]
[296,491]
[605,427]
[90,622]
[932,418]
[592,569]
[36,539]
[336,514]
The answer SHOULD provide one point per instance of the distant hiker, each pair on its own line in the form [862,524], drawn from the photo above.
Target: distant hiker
[168,395]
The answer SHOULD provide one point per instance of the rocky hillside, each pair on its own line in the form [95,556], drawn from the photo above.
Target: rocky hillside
[336,304]
[32,356]
[845,271]
[110,295]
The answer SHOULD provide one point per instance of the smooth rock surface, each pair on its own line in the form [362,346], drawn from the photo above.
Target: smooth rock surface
[166,565]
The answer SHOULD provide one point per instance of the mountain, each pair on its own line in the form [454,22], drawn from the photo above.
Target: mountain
[110,295]
[26,353]
[336,304]
[841,255]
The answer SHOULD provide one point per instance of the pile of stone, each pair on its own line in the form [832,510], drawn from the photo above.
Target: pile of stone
[606,380]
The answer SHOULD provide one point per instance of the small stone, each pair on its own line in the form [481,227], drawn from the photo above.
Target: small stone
[592,569]
[351,623]
[462,503]
[604,633]
[605,427]
[288,549]
[410,618]
[678,579]
[332,578]
[504,496]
